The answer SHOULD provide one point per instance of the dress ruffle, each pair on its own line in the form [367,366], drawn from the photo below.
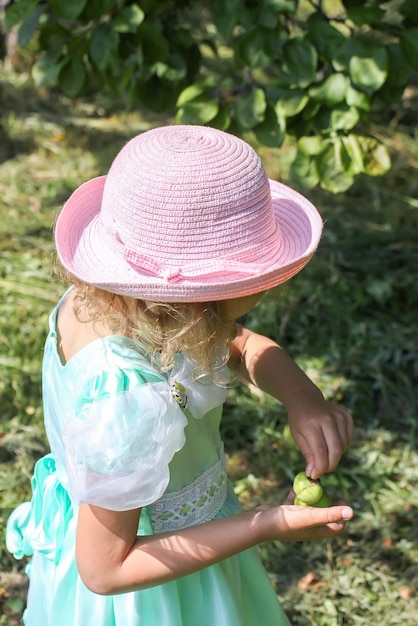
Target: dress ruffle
[119,449]
[41,524]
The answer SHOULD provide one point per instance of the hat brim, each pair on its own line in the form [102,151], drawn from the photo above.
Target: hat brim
[77,234]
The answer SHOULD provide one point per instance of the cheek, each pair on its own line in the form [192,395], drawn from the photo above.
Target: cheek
[231,310]
[226,313]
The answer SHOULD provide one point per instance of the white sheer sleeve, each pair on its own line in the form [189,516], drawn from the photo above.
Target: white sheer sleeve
[119,446]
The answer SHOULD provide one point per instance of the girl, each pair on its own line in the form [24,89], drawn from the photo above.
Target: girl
[132,520]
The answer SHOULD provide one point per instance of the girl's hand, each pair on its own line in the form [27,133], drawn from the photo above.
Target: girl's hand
[304,523]
[322,431]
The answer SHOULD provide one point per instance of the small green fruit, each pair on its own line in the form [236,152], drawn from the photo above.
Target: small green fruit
[309,492]
[299,502]
[323,502]
[307,489]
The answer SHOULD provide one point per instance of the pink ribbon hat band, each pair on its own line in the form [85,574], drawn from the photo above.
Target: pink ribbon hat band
[186,214]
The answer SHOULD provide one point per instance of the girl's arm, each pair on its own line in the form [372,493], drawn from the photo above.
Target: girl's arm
[321,430]
[112,559]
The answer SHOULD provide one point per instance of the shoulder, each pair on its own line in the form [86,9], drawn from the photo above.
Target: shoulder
[87,358]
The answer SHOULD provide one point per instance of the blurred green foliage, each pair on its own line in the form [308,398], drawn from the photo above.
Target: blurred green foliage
[322,71]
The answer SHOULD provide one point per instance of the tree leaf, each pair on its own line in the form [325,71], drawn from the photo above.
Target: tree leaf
[72,77]
[300,61]
[53,36]
[282,6]
[174,69]
[344,118]
[400,72]
[226,15]
[272,130]
[355,152]
[222,119]
[325,38]
[28,26]
[311,110]
[155,46]
[249,49]
[268,18]
[310,146]
[16,13]
[409,9]
[339,118]
[289,102]
[103,45]
[409,46]
[369,66]
[193,91]
[129,19]
[46,70]
[376,156]
[201,110]
[303,172]
[251,108]
[94,9]
[334,167]
[68,9]
[331,91]
[357,99]
[361,15]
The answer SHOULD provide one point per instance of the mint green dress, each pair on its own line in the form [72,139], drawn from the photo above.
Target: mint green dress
[123,436]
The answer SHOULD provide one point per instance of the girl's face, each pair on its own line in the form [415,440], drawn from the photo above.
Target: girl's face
[231,310]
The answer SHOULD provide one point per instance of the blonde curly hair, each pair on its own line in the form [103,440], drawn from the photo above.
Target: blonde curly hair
[162,330]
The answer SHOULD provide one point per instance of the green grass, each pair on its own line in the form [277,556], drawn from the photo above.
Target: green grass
[349,319]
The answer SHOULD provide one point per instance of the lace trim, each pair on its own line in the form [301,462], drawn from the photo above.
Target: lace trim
[195,504]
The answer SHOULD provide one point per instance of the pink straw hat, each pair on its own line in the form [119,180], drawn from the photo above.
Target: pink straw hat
[186,214]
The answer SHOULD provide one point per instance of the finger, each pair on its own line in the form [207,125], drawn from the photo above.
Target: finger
[313,449]
[336,449]
[316,453]
[336,441]
[310,517]
[349,426]
[339,440]
[344,425]
[297,523]
[327,531]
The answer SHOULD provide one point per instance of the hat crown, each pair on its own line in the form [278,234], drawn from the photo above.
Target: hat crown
[181,194]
